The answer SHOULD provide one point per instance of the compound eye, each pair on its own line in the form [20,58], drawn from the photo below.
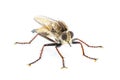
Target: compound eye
[64,36]
[71,33]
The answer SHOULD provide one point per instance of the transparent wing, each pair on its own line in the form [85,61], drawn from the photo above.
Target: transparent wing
[45,21]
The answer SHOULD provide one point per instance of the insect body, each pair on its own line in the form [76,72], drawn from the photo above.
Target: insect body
[57,32]
[53,28]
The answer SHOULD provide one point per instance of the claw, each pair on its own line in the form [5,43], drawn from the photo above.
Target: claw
[95,60]
[64,67]
[15,43]
[29,64]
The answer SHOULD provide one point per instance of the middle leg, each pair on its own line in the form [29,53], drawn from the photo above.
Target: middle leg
[51,44]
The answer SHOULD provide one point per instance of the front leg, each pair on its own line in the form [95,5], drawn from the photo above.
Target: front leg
[83,52]
[63,62]
[76,39]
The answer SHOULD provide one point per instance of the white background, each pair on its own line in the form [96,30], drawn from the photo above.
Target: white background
[95,22]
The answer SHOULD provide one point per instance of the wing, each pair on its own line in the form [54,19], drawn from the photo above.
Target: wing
[43,31]
[51,24]
[45,21]
[47,25]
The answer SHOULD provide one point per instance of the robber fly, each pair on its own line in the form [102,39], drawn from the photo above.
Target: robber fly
[57,32]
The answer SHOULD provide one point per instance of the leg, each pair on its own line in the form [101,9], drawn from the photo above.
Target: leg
[63,63]
[27,42]
[83,51]
[51,44]
[34,38]
[86,43]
